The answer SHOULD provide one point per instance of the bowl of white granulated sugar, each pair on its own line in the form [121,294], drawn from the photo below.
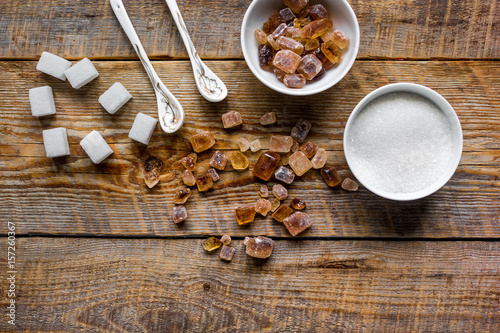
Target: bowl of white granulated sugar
[403,141]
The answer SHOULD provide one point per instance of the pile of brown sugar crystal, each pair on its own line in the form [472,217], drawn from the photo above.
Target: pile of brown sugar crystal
[299,43]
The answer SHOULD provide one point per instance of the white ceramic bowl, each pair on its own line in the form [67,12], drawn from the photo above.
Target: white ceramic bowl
[456,132]
[343,18]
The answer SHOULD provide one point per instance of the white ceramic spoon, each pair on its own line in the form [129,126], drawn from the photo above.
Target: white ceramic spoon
[170,111]
[209,85]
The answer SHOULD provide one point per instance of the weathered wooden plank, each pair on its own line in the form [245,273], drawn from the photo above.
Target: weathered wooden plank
[73,196]
[414,29]
[68,284]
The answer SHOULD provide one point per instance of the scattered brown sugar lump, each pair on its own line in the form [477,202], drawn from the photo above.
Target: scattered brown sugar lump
[299,163]
[284,174]
[319,159]
[245,214]
[297,222]
[263,191]
[202,141]
[266,164]
[309,149]
[211,244]
[239,161]
[263,206]
[298,203]
[231,119]
[182,196]
[213,173]
[204,182]
[280,192]
[259,247]
[282,213]
[218,160]
[268,119]
[226,240]
[179,214]
[350,185]
[275,203]
[255,145]
[189,161]
[331,176]
[300,130]
[227,253]
[152,169]
[243,144]
[280,143]
[188,178]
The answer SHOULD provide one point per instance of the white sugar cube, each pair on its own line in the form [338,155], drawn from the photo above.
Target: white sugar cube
[42,101]
[81,73]
[143,128]
[53,65]
[56,142]
[96,147]
[115,97]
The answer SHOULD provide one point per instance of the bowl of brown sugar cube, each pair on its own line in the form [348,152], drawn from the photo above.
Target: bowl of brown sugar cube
[300,47]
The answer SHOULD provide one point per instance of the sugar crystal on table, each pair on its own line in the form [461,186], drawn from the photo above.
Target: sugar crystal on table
[152,168]
[188,178]
[309,66]
[245,213]
[231,119]
[239,161]
[263,191]
[263,206]
[81,73]
[142,128]
[53,65]
[299,163]
[179,214]
[287,61]
[218,160]
[318,11]
[309,149]
[243,144]
[295,146]
[227,253]
[42,101]
[202,141]
[297,222]
[268,118]
[350,185]
[331,176]
[261,36]
[316,28]
[266,54]
[266,164]
[280,143]
[287,15]
[300,130]
[296,5]
[275,203]
[319,159]
[213,173]
[204,182]
[286,43]
[181,196]
[280,192]
[298,203]
[189,161]
[282,213]
[96,147]
[255,145]
[226,240]
[114,98]
[56,143]
[284,175]
[259,247]
[294,81]
[211,243]
[340,39]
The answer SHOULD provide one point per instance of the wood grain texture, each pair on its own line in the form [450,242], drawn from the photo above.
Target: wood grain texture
[74,196]
[414,29]
[97,285]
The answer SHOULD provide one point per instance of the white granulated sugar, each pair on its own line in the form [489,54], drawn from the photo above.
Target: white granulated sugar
[400,143]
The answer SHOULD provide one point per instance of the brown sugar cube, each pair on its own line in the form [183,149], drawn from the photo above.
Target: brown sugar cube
[188,178]
[287,15]
[300,130]
[218,160]
[316,28]
[300,23]
[282,213]
[287,43]
[309,66]
[280,143]
[179,214]
[280,192]
[297,222]
[182,196]
[189,161]
[296,5]
[231,119]
[255,145]
[266,54]
[312,44]
[298,203]
[285,175]
[263,192]
[152,169]
[299,163]
[280,75]
[266,164]
[243,144]
[239,161]
[309,149]
[318,11]
[340,39]
[331,52]
[245,214]
[287,61]
[213,173]
[202,141]
[294,81]
[319,159]
[226,239]
[261,36]
[331,176]
[263,206]
[227,253]
[268,118]
[350,185]
[204,182]
[271,24]
[211,244]
[275,203]
[259,247]
[295,146]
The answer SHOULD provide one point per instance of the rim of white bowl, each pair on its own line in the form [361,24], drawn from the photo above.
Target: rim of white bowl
[290,91]
[451,116]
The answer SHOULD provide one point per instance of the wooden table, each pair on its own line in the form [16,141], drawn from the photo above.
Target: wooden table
[97,251]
